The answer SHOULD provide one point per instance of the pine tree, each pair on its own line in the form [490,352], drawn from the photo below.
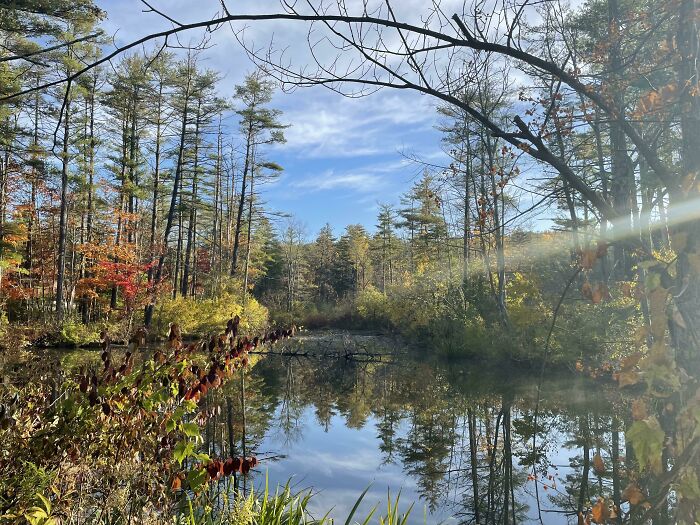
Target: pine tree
[259,126]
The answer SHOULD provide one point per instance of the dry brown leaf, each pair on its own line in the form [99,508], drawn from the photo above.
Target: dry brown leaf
[639,410]
[631,360]
[627,377]
[633,494]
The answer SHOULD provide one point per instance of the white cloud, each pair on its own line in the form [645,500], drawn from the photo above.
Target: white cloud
[325,124]
[370,179]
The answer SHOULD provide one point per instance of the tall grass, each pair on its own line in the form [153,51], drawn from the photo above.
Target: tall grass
[283,507]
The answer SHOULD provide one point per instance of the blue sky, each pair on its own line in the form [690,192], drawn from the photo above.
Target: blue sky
[343,156]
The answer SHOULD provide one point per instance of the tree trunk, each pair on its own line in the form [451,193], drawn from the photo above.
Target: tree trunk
[241,203]
[687,289]
[184,285]
[63,222]
[148,317]
[156,184]
[250,235]
[622,181]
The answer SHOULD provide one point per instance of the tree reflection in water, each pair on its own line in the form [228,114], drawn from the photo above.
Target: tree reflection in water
[459,436]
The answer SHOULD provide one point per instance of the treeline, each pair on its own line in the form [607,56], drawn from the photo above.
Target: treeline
[134,183]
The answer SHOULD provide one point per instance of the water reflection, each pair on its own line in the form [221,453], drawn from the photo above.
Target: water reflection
[459,439]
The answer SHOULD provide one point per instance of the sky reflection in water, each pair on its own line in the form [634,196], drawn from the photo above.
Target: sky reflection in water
[403,426]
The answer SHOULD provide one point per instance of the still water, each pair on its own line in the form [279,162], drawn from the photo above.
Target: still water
[349,412]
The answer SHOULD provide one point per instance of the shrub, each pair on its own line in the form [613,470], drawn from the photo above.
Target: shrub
[73,332]
[373,307]
[200,316]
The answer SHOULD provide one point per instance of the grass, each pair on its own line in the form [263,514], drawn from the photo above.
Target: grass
[283,507]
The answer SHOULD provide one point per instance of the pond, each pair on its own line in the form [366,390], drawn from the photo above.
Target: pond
[338,413]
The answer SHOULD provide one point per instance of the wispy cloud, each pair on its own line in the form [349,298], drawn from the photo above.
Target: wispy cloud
[327,125]
[368,179]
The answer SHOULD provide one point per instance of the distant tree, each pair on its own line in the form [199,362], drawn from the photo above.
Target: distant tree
[421,217]
[322,257]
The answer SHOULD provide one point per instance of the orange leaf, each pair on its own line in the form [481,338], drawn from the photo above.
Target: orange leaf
[600,511]
[598,464]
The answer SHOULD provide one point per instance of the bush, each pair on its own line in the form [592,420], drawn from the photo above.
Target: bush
[373,307]
[73,332]
[201,316]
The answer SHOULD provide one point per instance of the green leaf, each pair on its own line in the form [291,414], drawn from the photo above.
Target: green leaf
[201,456]
[189,405]
[196,479]
[182,450]
[348,521]
[191,430]
[647,439]
[46,502]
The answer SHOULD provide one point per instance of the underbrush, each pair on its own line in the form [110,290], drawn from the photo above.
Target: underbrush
[462,321]
[121,444]
[202,316]
[315,316]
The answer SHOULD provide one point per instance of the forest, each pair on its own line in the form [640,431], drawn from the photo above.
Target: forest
[512,335]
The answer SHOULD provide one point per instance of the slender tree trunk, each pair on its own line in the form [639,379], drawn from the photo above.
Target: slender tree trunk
[249,240]
[474,463]
[466,234]
[215,228]
[156,184]
[184,285]
[241,203]
[686,335]
[148,317]
[122,203]
[177,277]
[31,234]
[63,222]
[603,174]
